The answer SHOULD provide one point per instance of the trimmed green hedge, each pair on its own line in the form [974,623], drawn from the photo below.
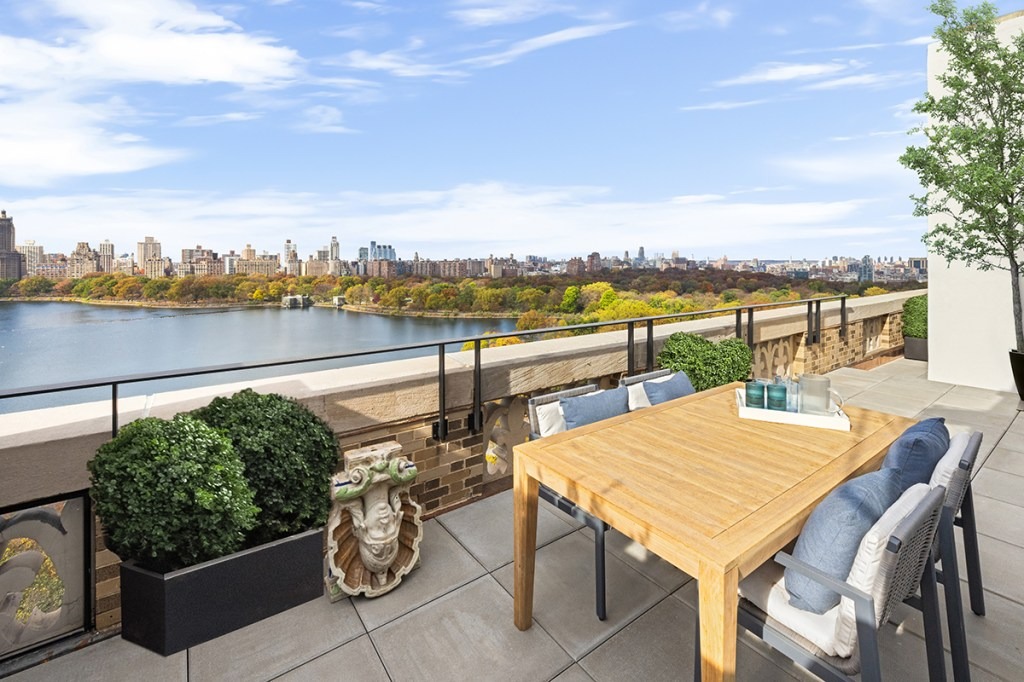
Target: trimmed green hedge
[915,317]
[171,493]
[707,364]
[289,455]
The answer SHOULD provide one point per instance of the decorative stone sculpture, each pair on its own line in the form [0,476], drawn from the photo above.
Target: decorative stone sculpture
[505,426]
[374,530]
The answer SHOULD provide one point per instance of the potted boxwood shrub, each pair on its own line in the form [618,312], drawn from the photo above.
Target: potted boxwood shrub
[184,506]
[707,364]
[915,328]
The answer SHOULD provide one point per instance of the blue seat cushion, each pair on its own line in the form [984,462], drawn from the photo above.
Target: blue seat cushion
[587,409]
[678,385]
[916,452]
[831,537]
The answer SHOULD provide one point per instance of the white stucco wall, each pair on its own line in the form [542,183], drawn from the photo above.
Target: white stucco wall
[970,316]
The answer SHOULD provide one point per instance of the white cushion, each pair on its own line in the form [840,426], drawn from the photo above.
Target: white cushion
[865,567]
[549,419]
[637,396]
[835,631]
[766,588]
[950,461]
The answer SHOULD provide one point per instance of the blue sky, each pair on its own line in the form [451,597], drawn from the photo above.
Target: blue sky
[466,127]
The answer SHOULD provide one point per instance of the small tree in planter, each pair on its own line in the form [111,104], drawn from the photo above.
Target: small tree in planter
[171,493]
[289,455]
[915,328]
[972,167]
[707,364]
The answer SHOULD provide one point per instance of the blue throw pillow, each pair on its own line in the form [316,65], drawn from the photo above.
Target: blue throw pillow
[670,389]
[915,453]
[831,537]
[587,409]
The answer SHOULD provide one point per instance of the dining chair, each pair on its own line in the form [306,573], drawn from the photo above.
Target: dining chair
[634,384]
[954,472]
[894,559]
[544,412]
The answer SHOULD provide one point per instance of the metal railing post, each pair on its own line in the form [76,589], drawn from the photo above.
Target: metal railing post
[441,426]
[650,346]
[817,321]
[739,323]
[113,410]
[842,317]
[630,350]
[476,420]
[750,328]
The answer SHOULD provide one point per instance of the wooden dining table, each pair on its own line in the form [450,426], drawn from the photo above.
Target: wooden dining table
[714,494]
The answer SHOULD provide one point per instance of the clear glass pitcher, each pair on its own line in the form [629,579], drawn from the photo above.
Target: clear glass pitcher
[817,396]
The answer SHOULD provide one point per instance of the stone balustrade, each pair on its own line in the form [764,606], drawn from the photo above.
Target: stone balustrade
[43,453]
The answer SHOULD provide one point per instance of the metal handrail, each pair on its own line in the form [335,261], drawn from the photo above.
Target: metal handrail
[440,429]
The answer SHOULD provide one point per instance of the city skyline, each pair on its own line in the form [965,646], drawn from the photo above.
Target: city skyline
[466,127]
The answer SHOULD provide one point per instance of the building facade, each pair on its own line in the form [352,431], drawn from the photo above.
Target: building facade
[33,255]
[11,262]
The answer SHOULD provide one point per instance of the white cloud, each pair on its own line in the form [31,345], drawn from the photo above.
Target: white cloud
[322,119]
[45,138]
[525,47]
[166,42]
[404,63]
[877,165]
[701,15]
[863,136]
[214,119]
[779,72]
[724,105]
[911,42]
[370,7]
[867,80]
[437,223]
[51,88]
[479,13]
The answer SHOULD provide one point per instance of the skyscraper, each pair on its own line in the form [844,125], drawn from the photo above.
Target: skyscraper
[335,249]
[10,260]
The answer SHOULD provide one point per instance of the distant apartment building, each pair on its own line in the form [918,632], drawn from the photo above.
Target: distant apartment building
[575,267]
[317,267]
[125,264]
[867,270]
[83,261]
[33,255]
[230,262]
[106,256]
[147,250]
[594,261]
[248,253]
[157,267]
[265,264]
[290,258]
[55,269]
[335,250]
[11,262]
[382,268]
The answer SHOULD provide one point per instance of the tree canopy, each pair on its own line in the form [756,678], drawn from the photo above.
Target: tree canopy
[972,167]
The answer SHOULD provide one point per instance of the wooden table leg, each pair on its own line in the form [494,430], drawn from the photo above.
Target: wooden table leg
[525,534]
[719,599]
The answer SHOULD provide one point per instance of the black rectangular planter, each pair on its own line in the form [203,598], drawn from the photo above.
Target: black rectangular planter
[914,348]
[169,612]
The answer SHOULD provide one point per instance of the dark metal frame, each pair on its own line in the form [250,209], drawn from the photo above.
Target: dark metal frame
[88,573]
[440,427]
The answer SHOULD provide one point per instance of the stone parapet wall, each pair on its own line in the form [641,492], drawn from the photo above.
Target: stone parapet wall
[43,453]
